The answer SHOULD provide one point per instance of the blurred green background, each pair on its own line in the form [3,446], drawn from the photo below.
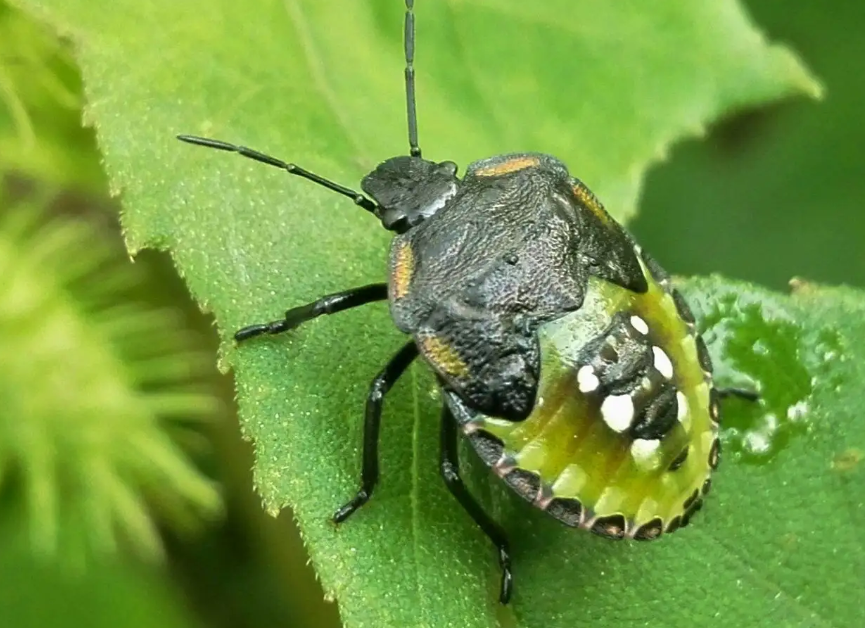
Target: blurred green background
[767,195]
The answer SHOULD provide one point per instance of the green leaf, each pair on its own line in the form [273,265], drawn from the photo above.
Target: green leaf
[754,182]
[604,86]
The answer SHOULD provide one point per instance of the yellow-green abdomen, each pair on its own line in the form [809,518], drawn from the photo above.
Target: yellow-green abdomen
[623,435]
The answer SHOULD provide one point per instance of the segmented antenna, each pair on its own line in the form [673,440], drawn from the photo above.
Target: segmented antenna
[411,105]
[358,198]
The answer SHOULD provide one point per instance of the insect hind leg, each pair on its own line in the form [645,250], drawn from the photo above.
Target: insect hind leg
[449,466]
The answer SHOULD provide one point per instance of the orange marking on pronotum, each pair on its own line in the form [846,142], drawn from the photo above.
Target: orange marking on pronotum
[505,167]
[590,202]
[402,270]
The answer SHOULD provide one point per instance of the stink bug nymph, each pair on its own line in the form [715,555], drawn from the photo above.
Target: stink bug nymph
[563,352]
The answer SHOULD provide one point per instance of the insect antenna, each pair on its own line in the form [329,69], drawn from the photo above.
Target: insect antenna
[358,198]
[411,105]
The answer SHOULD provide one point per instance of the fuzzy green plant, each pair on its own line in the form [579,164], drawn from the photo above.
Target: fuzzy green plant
[41,135]
[94,388]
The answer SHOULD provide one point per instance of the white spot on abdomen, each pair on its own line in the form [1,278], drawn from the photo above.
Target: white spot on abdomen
[586,379]
[662,362]
[645,452]
[618,412]
[639,324]
[682,402]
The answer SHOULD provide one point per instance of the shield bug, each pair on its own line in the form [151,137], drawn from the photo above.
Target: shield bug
[563,351]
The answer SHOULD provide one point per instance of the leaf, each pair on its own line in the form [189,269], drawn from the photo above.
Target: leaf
[605,87]
[756,181]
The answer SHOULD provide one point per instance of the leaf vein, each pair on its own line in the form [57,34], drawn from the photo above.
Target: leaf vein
[770,585]
[415,483]
[319,75]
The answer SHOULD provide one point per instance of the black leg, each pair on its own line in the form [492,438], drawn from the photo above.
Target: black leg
[742,393]
[450,470]
[329,304]
[371,422]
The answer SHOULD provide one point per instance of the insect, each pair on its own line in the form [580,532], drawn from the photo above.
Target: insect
[563,352]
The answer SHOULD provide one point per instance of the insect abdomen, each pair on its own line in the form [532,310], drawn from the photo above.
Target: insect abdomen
[626,455]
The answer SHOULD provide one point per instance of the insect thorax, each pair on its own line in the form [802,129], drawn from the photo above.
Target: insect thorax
[513,248]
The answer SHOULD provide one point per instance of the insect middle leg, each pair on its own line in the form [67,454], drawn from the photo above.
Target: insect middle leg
[371,423]
[741,393]
[450,471]
[328,304]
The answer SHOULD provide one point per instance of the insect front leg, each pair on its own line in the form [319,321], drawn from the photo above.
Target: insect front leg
[328,304]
